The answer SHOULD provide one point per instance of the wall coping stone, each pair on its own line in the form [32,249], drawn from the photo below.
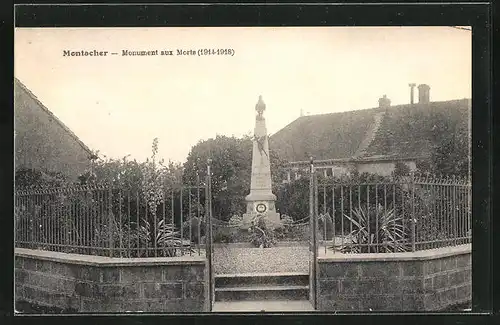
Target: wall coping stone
[107,261]
[428,254]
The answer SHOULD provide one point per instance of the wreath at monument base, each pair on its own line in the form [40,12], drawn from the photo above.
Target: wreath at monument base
[260,234]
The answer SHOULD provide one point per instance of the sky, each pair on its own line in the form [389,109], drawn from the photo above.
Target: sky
[118,104]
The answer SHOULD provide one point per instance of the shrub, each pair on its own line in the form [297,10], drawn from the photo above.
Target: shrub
[260,235]
[196,226]
[325,226]
[401,169]
[377,227]
[223,235]
[236,221]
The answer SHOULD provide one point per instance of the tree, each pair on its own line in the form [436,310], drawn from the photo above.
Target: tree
[36,178]
[293,198]
[401,169]
[451,151]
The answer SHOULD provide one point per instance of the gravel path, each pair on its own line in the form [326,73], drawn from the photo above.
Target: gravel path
[231,260]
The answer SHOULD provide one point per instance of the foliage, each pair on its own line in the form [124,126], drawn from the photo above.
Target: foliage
[451,153]
[376,227]
[292,231]
[140,238]
[196,226]
[293,198]
[401,169]
[325,226]
[35,178]
[225,235]
[120,200]
[261,235]
[236,221]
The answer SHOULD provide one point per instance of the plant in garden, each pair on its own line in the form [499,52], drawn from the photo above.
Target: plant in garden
[325,226]
[143,186]
[195,225]
[40,179]
[293,198]
[236,221]
[376,227]
[107,235]
[401,169]
[261,235]
[285,230]
[167,239]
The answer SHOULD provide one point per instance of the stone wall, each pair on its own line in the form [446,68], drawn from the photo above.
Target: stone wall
[430,280]
[100,284]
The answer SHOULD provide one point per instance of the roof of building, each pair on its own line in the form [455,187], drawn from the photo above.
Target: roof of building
[395,132]
[51,115]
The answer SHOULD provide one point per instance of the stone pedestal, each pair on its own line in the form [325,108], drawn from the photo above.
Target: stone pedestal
[261,199]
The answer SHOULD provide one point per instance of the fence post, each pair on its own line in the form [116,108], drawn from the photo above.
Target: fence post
[311,204]
[208,234]
[67,221]
[32,223]
[454,212]
[110,222]
[413,219]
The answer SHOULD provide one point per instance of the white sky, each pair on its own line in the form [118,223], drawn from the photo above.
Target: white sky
[117,105]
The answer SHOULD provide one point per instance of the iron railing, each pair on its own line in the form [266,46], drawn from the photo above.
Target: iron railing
[115,222]
[395,214]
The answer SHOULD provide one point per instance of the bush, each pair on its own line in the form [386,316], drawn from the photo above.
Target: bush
[401,169]
[223,235]
[378,227]
[35,178]
[260,235]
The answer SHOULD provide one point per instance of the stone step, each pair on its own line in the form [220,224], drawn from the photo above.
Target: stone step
[254,293]
[261,279]
[263,306]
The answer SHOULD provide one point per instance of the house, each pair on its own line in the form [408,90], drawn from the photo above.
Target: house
[42,141]
[372,140]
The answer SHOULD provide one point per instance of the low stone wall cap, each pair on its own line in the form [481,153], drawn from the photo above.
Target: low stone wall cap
[107,261]
[428,254]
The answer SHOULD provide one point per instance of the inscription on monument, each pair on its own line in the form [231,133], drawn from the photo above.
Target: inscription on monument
[262,181]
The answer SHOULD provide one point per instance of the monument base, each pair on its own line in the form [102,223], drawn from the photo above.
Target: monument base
[264,205]
[272,219]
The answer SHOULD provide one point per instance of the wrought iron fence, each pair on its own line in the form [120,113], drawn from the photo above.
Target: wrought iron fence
[393,215]
[115,222]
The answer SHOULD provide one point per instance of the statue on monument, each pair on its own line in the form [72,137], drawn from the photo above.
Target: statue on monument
[260,107]
[261,200]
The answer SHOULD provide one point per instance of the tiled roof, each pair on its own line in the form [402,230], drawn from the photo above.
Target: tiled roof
[396,132]
[326,136]
[410,131]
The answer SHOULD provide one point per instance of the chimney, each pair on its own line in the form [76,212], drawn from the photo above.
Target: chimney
[384,102]
[412,93]
[423,94]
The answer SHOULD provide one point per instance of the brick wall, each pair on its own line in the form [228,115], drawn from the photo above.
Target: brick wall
[430,280]
[100,284]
